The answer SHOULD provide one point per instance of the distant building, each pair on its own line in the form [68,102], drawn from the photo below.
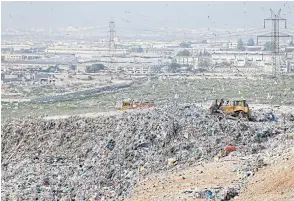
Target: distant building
[289,49]
[187,60]
[15,47]
[44,78]
[80,52]
[8,78]
[20,57]
[254,48]
[240,59]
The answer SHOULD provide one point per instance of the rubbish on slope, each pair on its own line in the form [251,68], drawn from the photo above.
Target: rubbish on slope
[79,157]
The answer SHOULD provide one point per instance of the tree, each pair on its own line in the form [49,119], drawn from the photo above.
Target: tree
[189,68]
[204,41]
[240,44]
[204,63]
[51,69]
[173,67]
[250,42]
[184,53]
[185,45]
[73,67]
[267,46]
[94,68]
[140,50]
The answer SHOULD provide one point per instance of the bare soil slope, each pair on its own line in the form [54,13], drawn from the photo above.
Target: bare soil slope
[274,182]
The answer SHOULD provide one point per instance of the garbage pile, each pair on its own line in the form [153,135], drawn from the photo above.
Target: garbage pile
[82,158]
[263,115]
[214,193]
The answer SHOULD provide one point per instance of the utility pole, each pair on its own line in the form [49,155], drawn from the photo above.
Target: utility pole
[275,35]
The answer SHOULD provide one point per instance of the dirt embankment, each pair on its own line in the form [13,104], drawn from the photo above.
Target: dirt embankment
[274,182]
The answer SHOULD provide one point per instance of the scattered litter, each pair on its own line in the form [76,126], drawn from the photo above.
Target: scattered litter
[80,157]
[172,161]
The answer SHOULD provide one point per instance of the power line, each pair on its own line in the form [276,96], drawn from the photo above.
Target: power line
[111,32]
[275,35]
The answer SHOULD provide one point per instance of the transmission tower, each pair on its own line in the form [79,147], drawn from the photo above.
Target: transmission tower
[111,36]
[275,35]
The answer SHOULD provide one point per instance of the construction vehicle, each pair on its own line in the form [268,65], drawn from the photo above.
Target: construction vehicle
[237,108]
[127,105]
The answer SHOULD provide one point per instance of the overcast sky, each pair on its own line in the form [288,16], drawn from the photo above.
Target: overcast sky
[147,15]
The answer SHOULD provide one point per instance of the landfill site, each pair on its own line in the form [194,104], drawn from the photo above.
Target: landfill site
[174,150]
[104,104]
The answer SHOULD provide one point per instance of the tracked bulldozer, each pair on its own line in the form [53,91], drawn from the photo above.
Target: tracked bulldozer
[127,105]
[237,109]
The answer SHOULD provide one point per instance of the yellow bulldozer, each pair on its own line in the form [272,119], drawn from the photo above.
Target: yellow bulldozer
[237,108]
[127,105]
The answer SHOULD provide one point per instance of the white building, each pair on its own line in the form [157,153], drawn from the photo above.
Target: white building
[20,57]
[16,47]
[240,59]
[187,60]
[85,51]
[253,59]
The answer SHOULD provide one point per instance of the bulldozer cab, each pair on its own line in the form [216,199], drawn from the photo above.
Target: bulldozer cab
[241,106]
[240,103]
[126,103]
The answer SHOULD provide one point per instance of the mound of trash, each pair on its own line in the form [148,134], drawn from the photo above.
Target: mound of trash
[263,115]
[104,157]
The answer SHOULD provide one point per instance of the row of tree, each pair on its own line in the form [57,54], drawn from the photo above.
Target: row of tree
[94,68]
[267,45]
[240,45]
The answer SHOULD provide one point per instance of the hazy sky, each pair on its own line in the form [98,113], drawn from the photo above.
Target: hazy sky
[138,15]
